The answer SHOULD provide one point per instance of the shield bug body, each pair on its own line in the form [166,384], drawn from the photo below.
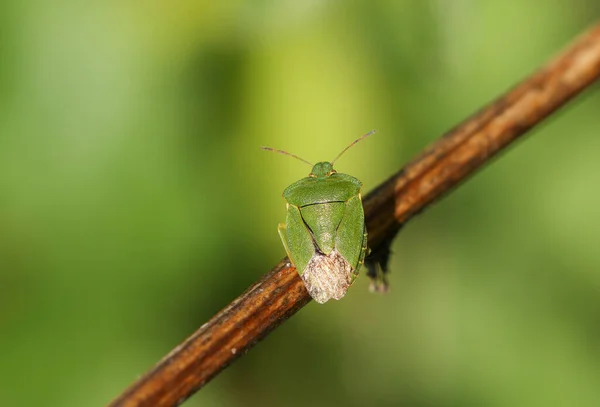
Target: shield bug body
[324,234]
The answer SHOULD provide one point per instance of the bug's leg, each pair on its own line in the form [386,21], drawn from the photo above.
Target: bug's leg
[282,230]
[377,266]
[363,250]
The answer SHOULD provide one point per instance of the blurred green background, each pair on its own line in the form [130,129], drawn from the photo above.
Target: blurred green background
[135,203]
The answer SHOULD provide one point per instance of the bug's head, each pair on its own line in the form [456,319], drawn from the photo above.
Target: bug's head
[322,170]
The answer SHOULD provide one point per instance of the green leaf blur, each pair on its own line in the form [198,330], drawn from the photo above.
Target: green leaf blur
[135,201]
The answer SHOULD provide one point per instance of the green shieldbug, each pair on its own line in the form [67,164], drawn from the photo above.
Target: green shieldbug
[325,235]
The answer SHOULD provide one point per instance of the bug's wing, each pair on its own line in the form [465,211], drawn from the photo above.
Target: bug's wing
[351,237]
[300,246]
[327,276]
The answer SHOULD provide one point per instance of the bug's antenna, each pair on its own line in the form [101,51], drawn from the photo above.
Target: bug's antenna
[353,143]
[286,153]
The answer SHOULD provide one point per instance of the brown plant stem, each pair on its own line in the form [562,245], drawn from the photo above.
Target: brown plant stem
[445,163]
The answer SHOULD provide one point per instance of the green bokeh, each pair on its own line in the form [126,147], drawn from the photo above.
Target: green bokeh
[135,203]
